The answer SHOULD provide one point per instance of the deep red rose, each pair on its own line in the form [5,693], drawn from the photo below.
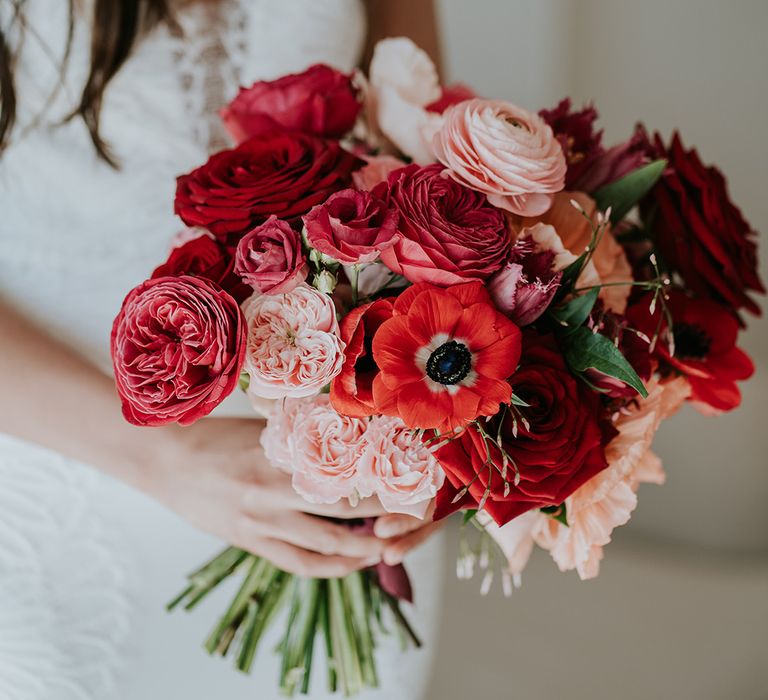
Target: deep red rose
[352,389]
[270,258]
[281,174]
[702,347]
[699,232]
[351,227]
[451,95]
[204,256]
[449,233]
[320,101]
[178,345]
[556,449]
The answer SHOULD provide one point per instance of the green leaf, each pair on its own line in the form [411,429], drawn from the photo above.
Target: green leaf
[624,193]
[573,313]
[557,513]
[468,515]
[587,350]
[517,401]
[570,275]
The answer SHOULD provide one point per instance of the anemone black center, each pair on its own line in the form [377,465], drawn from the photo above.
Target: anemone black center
[450,363]
[691,341]
[365,362]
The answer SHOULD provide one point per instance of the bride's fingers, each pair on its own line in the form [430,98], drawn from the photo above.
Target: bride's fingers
[395,525]
[302,562]
[395,550]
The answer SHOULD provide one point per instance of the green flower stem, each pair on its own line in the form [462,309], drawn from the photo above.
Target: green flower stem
[323,614]
[205,579]
[344,647]
[360,618]
[300,637]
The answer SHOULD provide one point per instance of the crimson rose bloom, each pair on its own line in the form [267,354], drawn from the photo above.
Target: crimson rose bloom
[449,233]
[559,448]
[698,230]
[352,389]
[178,344]
[320,101]
[281,174]
[205,257]
[270,258]
[351,227]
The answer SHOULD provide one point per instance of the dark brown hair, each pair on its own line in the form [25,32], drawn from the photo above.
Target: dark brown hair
[116,26]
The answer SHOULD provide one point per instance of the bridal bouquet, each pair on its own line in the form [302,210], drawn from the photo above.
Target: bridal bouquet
[455,304]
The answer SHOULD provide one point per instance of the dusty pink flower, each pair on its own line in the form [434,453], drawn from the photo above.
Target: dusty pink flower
[398,467]
[293,346]
[351,227]
[375,170]
[270,258]
[506,152]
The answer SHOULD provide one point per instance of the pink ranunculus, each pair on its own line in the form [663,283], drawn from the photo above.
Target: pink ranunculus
[449,234]
[351,227]
[503,151]
[398,467]
[270,258]
[320,101]
[177,348]
[320,447]
[293,345]
[375,170]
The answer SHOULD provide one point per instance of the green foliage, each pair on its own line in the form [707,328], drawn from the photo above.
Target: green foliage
[624,193]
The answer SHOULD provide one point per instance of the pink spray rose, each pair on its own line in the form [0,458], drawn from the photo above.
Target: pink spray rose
[293,345]
[398,467]
[177,349]
[351,227]
[503,151]
[270,258]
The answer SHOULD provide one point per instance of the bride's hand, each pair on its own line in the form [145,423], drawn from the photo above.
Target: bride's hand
[215,475]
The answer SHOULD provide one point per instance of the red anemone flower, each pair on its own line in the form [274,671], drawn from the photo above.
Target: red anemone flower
[444,357]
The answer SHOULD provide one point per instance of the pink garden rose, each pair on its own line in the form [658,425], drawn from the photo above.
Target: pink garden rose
[318,446]
[503,151]
[398,467]
[351,227]
[270,258]
[293,345]
[320,101]
[177,350]
[375,170]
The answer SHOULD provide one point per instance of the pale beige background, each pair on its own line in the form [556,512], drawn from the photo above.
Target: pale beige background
[681,607]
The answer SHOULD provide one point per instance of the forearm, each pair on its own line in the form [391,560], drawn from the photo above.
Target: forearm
[56,399]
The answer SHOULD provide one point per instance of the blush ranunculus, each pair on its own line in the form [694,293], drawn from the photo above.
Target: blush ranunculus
[320,101]
[293,346]
[200,255]
[697,229]
[270,259]
[398,467]
[444,357]
[503,151]
[280,174]
[351,227]
[555,450]
[375,170]
[449,234]
[177,348]
[352,388]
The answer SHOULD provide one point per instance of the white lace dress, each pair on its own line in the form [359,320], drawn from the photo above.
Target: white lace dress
[87,564]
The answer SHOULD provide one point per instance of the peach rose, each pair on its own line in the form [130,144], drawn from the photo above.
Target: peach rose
[398,467]
[375,170]
[293,346]
[575,230]
[508,153]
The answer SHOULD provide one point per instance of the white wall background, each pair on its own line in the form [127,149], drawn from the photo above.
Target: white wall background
[681,606]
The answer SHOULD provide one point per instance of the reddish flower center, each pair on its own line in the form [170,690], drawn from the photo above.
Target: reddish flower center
[450,363]
[691,341]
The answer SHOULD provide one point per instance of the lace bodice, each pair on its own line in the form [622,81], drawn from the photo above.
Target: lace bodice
[76,235]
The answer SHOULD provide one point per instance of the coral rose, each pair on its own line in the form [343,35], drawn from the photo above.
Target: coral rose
[293,345]
[503,151]
[177,349]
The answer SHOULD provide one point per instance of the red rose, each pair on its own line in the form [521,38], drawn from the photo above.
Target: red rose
[352,389]
[270,258]
[702,347]
[320,101]
[204,256]
[449,233]
[697,229]
[450,95]
[284,175]
[557,448]
[178,344]
[351,227]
